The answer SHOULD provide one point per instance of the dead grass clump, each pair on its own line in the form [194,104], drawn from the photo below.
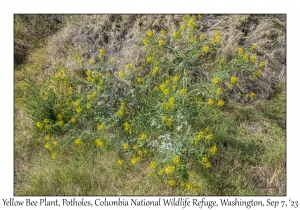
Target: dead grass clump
[268,32]
[269,179]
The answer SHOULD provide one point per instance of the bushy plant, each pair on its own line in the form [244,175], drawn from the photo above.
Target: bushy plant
[158,111]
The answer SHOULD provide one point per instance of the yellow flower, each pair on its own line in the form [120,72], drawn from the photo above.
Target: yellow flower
[155,88]
[230,86]
[61,123]
[209,136]
[92,61]
[47,145]
[155,70]
[149,59]
[240,51]
[191,22]
[162,87]
[101,51]
[107,74]
[202,37]
[252,95]
[54,155]
[59,116]
[149,33]
[99,143]
[246,56]
[139,79]
[204,159]
[46,120]
[140,152]
[112,60]
[183,27]
[182,91]
[210,102]
[171,182]
[166,91]
[77,103]
[78,142]
[73,120]
[143,136]
[219,90]
[258,73]
[216,80]
[126,127]
[126,146]
[161,172]
[189,186]
[222,61]
[207,165]
[145,42]
[135,147]
[100,127]
[39,125]
[150,173]
[70,91]
[152,164]
[252,59]
[213,150]
[233,80]
[176,34]
[205,49]
[169,122]
[121,74]
[218,38]
[193,39]
[120,162]
[161,42]
[120,112]
[135,160]
[88,106]
[261,64]
[175,79]
[199,16]
[176,160]
[221,103]
[88,73]
[254,46]
[47,128]
[55,143]
[128,66]
[162,32]
[47,138]
[170,169]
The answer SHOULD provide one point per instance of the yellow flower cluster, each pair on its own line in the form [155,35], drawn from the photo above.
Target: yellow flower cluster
[168,121]
[170,103]
[170,169]
[176,160]
[127,127]
[121,109]
[99,143]
[206,49]
[78,142]
[233,80]
[135,160]
[155,70]
[152,164]
[213,150]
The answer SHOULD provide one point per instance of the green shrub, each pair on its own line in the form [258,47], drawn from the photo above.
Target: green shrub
[161,111]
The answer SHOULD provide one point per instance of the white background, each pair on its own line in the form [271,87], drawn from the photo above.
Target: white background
[9,8]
